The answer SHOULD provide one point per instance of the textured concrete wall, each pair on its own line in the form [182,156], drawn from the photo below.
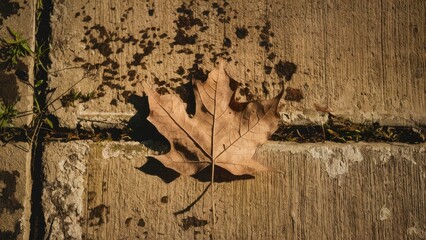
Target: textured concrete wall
[326,191]
[364,61]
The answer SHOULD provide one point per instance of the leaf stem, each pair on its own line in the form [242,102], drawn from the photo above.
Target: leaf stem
[212,192]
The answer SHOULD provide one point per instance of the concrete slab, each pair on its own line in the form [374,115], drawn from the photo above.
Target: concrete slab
[15,191]
[364,62]
[19,16]
[332,191]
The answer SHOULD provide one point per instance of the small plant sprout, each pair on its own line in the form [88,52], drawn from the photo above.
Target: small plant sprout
[13,49]
[7,114]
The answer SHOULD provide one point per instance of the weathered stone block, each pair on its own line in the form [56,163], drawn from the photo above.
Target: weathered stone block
[19,16]
[329,191]
[15,191]
[105,50]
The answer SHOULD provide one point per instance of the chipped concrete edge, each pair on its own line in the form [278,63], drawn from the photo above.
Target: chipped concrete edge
[91,120]
[65,166]
[336,158]
[310,117]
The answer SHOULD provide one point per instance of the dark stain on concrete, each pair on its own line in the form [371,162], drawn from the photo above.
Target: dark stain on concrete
[102,32]
[265,36]
[241,32]
[162,91]
[206,13]
[114,102]
[128,221]
[141,222]
[158,82]
[108,43]
[189,222]
[151,12]
[7,9]
[195,72]
[180,70]
[293,94]
[148,47]
[221,12]
[285,69]
[98,215]
[126,14]
[8,202]
[129,39]
[98,39]
[109,74]
[267,69]
[271,56]
[227,42]
[182,38]
[131,74]
[203,29]
[185,51]
[165,199]
[87,19]
[186,19]
[137,59]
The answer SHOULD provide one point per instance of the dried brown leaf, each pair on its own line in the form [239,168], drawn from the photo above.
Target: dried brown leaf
[222,132]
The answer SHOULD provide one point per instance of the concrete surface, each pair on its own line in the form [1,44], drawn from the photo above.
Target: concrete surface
[15,191]
[325,191]
[18,15]
[362,61]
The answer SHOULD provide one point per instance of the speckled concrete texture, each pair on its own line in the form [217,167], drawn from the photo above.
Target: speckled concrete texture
[363,62]
[333,191]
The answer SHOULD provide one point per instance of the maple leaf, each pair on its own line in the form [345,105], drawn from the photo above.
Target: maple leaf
[223,132]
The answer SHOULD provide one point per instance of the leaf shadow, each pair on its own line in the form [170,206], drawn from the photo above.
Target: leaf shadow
[155,168]
[141,130]
[220,175]
[9,90]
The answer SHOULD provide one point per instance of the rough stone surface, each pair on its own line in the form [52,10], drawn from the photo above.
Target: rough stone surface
[18,15]
[364,62]
[64,189]
[15,190]
[331,191]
